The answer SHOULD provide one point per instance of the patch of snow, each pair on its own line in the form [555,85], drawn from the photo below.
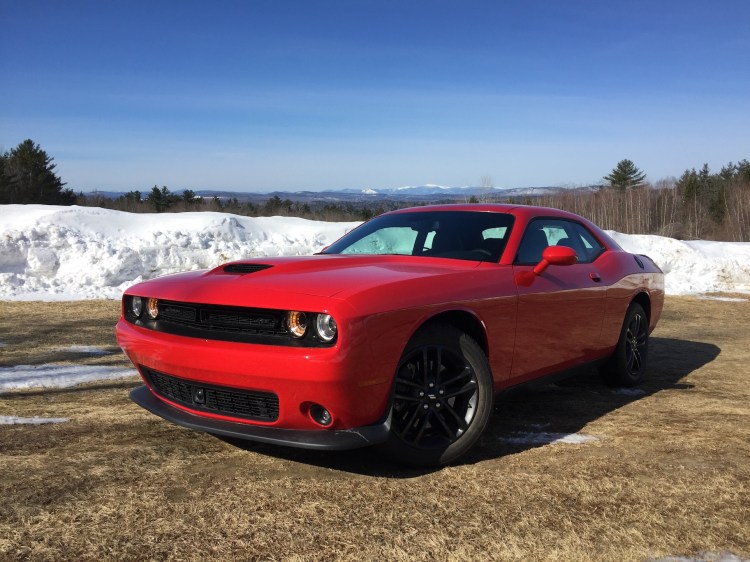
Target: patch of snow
[725,299]
[545,438]
[13,420]
[87,349]
[369,191]
[57,376]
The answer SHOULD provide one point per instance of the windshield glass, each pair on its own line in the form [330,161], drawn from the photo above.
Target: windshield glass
[462,235]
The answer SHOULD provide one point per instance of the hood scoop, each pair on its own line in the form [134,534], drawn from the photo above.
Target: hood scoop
[244,268]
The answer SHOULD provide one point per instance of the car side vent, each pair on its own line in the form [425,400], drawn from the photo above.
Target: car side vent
[639,262]
[243,268]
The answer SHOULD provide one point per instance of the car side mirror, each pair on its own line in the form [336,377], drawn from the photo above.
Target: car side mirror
[555,255]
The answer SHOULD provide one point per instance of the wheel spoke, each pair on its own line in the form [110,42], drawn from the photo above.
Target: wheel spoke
[450,433]
[466,371]
[408,424]
[407,382]
[631,359]
[425,421]
[637,324]
[470,386]
[462,425]
[407,397]
[636,359]
[438,363]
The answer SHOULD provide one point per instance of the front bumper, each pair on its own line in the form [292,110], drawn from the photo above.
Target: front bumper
[332,440]
[352,386]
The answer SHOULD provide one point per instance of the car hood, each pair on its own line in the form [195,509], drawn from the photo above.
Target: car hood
[337,275]
[328,276]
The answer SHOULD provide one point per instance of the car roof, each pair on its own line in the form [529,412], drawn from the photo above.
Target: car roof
[525,211]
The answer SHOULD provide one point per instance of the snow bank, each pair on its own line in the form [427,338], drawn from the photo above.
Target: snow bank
[62,253]
[59,253]
[696,266]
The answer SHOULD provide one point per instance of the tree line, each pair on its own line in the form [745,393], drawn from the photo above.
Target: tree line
[699,204]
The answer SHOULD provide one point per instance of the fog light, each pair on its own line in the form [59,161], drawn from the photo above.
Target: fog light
[136,306]
[152,307]
[320,415]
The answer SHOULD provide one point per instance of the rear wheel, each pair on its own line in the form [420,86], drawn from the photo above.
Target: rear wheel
[627,365]
[442,397]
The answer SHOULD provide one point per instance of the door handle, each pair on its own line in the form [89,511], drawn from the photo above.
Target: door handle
[595,277]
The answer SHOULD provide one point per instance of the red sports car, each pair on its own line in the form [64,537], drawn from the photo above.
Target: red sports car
[398,335]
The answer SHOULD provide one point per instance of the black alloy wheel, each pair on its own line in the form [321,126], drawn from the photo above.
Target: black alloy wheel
[627,365]
[442,397]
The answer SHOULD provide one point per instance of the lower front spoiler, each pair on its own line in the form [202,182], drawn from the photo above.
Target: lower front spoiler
[332,440]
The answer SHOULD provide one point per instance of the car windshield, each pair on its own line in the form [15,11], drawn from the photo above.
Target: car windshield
[461,235]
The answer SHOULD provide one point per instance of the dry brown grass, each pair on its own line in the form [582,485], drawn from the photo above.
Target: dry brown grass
[668,475]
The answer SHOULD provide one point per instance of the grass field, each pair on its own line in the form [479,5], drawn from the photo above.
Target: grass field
[668,473]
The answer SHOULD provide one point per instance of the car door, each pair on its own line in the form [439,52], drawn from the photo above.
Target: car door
[559,317]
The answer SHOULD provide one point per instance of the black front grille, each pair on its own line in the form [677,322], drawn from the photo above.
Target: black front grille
[229,323]
[246,404]
[250,321]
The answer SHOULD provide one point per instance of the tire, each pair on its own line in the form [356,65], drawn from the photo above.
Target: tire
[442,398]
[627,365]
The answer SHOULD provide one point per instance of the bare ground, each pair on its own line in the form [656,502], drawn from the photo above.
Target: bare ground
[667,475]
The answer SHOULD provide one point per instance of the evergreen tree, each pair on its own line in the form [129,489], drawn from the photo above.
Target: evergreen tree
[690,184]
[161,199]
[4,179]
[189,197]
[28,176]
[743,171]
[625,175]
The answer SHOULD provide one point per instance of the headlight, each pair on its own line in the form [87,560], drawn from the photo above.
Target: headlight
[136,306]
[297,322]
[325,327]
[152,307]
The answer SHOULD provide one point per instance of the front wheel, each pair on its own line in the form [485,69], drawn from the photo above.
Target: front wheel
[627,365]
[442,397]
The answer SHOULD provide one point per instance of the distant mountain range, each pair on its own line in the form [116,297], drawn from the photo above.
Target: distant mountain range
[427,192]
[441,190]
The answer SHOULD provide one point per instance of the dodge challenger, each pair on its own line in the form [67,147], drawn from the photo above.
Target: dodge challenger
[398,335]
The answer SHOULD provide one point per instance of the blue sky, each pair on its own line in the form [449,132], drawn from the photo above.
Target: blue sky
[266,95]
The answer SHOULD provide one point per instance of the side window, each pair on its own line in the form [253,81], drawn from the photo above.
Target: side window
[591,248]
[541,233]
[533,243]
